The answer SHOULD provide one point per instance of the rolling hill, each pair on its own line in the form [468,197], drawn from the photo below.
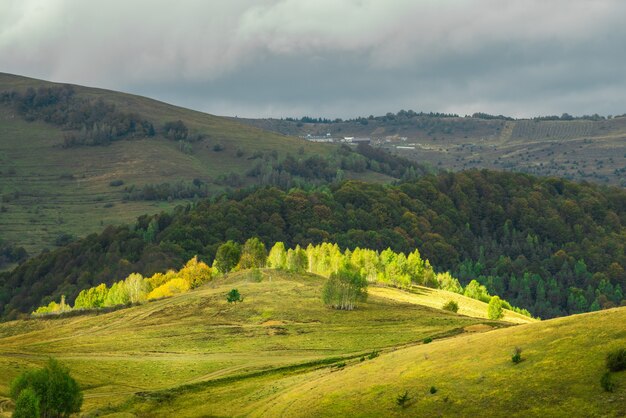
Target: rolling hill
[591,149]
[281,352]
[51,192]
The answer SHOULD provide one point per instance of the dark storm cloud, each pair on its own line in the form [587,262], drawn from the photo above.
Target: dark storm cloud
[329,57]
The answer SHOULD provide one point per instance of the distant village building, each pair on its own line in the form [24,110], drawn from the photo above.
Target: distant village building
[319,138]
[355,140]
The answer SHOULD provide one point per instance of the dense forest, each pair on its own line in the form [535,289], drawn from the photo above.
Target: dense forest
[548,245]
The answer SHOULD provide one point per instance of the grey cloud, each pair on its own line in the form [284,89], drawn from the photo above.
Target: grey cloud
[328,57]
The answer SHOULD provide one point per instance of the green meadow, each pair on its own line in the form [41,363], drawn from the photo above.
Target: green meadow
[185,347]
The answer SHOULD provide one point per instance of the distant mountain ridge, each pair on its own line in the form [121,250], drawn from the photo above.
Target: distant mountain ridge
[591,148]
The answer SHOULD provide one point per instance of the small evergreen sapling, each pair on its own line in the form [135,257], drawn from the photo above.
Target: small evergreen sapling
[234,296]
[517,355]
[402,400]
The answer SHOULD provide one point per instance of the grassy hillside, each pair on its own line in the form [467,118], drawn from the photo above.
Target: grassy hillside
[474,376]
[47,190]
[592,150]
[198,344]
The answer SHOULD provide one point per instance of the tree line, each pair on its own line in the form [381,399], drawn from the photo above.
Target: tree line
[348,273]
[551,246]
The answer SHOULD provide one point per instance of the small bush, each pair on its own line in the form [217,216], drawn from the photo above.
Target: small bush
[451,306]
[116,183]
[402,400]
[517,355]
[218,147]
[607,383]
[373,355]
[427,340]
[433,390]
[616,360]
[234,296]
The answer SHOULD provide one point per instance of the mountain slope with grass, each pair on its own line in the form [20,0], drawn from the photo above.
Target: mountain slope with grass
[281,352]
[563,361]
[197,340]
[74,159]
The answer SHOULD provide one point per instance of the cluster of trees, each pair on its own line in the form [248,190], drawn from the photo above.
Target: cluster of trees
[567,116]
[47,392]
[550,246]
[92,122]
[348,273]
[389,116]
[135,289]
[168,191]
[317,170]
[345,288]
[178,131]
[10,253]
[487,116]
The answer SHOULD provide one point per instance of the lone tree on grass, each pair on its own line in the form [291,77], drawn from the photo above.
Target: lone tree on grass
[451,306]
[345,288]
[47,392]
[494,310]
[234,296]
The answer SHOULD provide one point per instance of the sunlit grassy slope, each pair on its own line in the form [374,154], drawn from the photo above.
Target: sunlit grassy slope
[46,190]
[200,353]
[563,360]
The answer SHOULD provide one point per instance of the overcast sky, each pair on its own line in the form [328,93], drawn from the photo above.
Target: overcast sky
[331,58]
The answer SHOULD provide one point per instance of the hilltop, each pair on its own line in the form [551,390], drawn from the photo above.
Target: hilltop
[75,159]
[197,342]
[281,352]
[589,148]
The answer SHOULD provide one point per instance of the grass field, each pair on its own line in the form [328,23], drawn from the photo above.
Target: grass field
[187,347]
[563,360]
[46,190]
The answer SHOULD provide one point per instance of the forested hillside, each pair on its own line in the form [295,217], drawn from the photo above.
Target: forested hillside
[551,246]
[75,159]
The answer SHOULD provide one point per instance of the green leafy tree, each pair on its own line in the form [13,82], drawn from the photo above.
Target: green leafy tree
[277,258]
[57,393]
[227,256]
[495,310]
[27,404]
[297,260]
[345,288]
[451,306]
[477,291]
[195,272]
[234,296]
[253,254]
